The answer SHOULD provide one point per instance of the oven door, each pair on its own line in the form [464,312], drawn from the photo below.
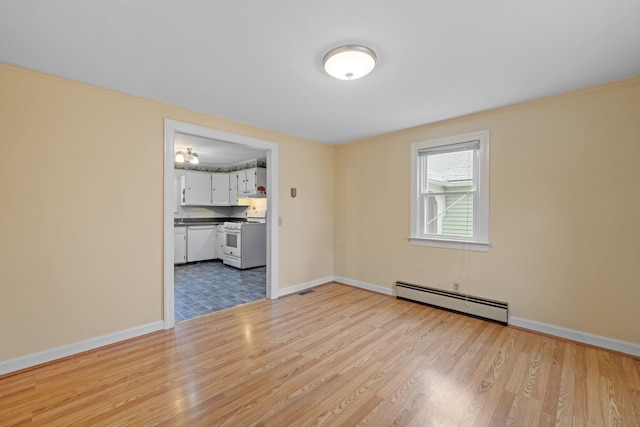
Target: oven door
[232,245]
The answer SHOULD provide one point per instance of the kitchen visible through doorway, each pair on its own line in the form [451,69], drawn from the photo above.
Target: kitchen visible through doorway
[208,286]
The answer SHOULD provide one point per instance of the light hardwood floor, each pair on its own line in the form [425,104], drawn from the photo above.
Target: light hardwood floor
[339,356]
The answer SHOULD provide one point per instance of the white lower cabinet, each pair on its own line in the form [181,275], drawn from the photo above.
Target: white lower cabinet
[221,238]
[201,242]
[179,245]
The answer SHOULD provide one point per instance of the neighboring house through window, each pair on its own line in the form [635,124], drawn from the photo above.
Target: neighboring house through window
[450,192]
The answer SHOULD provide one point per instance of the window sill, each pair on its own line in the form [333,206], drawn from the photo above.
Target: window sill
[450,244]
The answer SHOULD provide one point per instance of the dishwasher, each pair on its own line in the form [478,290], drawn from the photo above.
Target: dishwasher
[201,242]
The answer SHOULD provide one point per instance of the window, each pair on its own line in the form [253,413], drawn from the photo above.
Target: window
[450,192]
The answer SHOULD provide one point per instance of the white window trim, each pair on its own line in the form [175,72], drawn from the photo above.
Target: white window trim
[481,241]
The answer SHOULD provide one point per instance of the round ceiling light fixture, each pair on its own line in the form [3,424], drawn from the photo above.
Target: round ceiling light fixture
[190,157]
[349,62]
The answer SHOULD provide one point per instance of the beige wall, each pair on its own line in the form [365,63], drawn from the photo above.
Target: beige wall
[564,180]
[82,209]
[307,219]
[81,222]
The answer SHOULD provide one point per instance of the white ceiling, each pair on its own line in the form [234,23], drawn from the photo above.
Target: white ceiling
[216,152]
[260,62]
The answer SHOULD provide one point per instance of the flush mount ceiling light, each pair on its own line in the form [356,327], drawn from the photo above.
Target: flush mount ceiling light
[349,62]
[189,157]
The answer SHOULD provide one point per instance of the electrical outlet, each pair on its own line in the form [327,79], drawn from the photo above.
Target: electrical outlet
[456,286]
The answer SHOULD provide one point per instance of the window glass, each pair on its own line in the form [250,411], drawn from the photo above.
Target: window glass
[449,188]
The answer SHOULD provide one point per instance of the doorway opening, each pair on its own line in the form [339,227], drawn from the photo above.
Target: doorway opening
[174,132]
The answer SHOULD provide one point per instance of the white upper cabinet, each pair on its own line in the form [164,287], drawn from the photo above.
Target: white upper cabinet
[220,189]
[196,189]
[249,180]
[233,188]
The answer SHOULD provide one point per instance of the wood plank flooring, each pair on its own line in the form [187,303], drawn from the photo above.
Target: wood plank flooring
[339,356]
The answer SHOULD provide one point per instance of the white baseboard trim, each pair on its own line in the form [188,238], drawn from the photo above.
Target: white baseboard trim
[558,331]
[571,334]
[364,285]
[356,283]
[302,286]
[23,362]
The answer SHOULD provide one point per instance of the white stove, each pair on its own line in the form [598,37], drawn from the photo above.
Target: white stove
[232,226]
[246,242]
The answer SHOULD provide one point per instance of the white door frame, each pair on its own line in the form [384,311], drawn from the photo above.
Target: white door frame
[170,129]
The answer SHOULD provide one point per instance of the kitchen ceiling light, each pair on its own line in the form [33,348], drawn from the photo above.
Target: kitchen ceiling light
[190,157]
[349,62]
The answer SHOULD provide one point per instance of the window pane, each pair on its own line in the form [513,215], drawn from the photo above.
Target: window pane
[449,215]
[450,171]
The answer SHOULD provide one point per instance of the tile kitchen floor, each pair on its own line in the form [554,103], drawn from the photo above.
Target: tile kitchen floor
[207,286]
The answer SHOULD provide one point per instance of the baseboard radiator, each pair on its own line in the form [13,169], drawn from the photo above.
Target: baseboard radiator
[496,311]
